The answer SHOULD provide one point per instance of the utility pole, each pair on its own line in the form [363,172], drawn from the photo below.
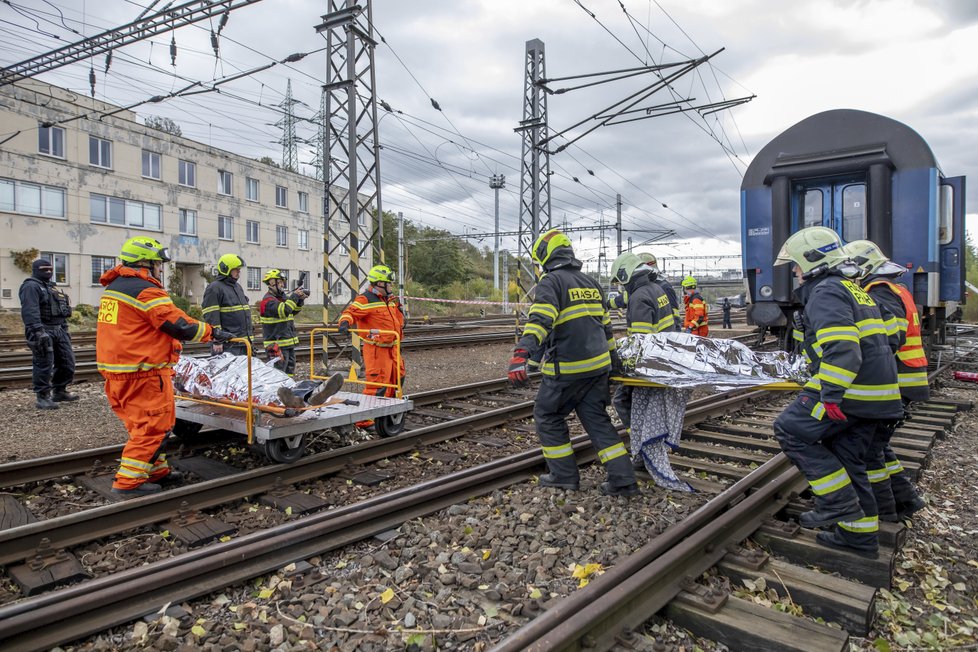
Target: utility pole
[496,182]
[505,281]
[290,151]
[618,223]
[321,119]
[400,261]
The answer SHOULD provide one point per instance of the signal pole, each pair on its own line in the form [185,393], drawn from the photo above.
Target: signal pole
[496,182]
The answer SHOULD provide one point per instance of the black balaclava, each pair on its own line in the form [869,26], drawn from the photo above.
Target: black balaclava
[43,275]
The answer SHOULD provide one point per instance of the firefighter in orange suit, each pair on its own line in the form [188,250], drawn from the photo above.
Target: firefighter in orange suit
[136,347]
[376,308]
[696,317]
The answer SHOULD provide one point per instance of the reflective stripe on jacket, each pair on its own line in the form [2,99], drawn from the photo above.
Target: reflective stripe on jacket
[226,306]
[139,329]
[696,314]
[569,322]
[673,301]
[277,315]
[845,336]
[896,302]
[370,310]
[648,307]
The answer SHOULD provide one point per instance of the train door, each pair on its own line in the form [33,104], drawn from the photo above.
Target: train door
[839,204]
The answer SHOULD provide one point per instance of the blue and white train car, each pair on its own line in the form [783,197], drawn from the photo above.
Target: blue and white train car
[867,177]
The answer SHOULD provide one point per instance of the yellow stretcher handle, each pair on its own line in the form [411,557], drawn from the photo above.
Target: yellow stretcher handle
[360,331]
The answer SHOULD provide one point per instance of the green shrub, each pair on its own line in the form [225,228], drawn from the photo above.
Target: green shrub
[84,310]
[195,311]
[183,303]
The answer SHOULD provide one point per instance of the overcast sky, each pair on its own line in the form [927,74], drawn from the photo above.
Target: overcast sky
[912,60]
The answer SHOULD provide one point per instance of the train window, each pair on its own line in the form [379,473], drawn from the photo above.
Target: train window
[812,208]
[854,212]
[945,223]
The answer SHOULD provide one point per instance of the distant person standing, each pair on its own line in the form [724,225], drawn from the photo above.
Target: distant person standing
[696,318]
[226,306]
[45,310]
[725,306]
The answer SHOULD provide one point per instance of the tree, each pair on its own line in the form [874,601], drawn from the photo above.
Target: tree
[267,160]
[164,124]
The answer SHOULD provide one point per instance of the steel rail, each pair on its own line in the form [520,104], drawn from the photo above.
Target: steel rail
[95,605]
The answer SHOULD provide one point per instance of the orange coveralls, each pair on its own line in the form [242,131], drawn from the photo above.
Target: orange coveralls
[370,310]
[136,346]
[696,317]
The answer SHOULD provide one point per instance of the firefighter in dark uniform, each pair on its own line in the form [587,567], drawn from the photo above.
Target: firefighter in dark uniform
[648,311]
[896,496]
[226,306]
[277,313]
[828,428]
[45,310]
[621,300]
[569,321]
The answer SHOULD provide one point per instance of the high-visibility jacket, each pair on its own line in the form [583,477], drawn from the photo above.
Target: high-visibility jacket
[648,307]
[621,301]
[903,324]
[139,329]
[568,327]
[226,306]
[277,314]
[696,314]
[381,360]
[846,340]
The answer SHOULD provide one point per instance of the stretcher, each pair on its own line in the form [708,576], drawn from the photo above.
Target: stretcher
[281,432]
[781,385]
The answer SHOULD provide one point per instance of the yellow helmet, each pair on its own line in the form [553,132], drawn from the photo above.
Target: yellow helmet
[870,259]
[143,248]
[380,274]
[812,247]
[272,274]
[229,262]
[547,244]
[689,282]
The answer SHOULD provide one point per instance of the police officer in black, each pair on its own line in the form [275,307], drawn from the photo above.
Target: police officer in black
[45,310]
[569,321]
[225,305]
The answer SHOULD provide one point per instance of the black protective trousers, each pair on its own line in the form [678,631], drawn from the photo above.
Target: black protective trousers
[827,451]
[53,369]
[891,486]
[588,397]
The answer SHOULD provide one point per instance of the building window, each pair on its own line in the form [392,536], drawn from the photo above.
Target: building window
[224,228]
[188,222]
[282,236]
[251,231]
[100,265]
[60,264]
[188,174]
[151,165]
[125,212]
[281,196]
[254,278]
[20,197]
[305,276]
[344,250]
[51,141]
[99,152]
[361,219]
[224,179]
[303,202]
[251,189]
[304,239]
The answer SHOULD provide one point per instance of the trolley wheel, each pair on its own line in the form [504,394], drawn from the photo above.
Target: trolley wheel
[185,430]
[285,450]
[390,426]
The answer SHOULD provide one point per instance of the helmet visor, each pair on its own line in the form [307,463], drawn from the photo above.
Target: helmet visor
[164,254]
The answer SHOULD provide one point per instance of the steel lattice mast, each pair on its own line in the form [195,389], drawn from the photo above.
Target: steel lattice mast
[352,166]
[290,151]
[535,170]
[320,158]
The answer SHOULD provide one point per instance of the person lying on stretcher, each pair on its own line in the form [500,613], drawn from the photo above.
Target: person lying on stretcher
[224,377]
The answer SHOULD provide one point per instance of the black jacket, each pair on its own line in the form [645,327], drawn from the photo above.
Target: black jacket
[277,314]
[226,306]
[670,293]
[43,304]
[648,307]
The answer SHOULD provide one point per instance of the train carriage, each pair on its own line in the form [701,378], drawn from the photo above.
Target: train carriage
[865,176]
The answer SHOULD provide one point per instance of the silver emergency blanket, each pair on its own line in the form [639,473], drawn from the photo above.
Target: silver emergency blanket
[225,376]
[657,423]
[682,360]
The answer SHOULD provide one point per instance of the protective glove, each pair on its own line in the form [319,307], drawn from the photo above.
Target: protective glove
[220,336]
[517,369]
[42,342]
[273,351]
[834,412]
[344,327]
[797,322]
[616,367]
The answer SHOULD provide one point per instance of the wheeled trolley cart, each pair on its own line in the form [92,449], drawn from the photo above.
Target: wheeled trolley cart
[281,432]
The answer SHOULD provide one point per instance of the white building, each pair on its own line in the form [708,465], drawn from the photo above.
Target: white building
[76,182]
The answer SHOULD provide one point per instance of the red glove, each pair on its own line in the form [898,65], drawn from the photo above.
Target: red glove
[834,412]
[517,369]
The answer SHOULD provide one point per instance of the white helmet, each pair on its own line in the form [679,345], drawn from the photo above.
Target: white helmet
[812,248]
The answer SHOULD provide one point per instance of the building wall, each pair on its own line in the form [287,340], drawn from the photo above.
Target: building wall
[88,243]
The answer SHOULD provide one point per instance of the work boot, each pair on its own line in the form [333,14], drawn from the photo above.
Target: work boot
[326,389]
[832,539]
[145,489]
[890,517]
[906,510]
[549,480]
[44,402]
[289,399]
[628,490]
[820,517]
[61,395]
[170,478]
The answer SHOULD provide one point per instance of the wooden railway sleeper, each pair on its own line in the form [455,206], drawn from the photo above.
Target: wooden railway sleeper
[45,556]
[703,597]
[753,558]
